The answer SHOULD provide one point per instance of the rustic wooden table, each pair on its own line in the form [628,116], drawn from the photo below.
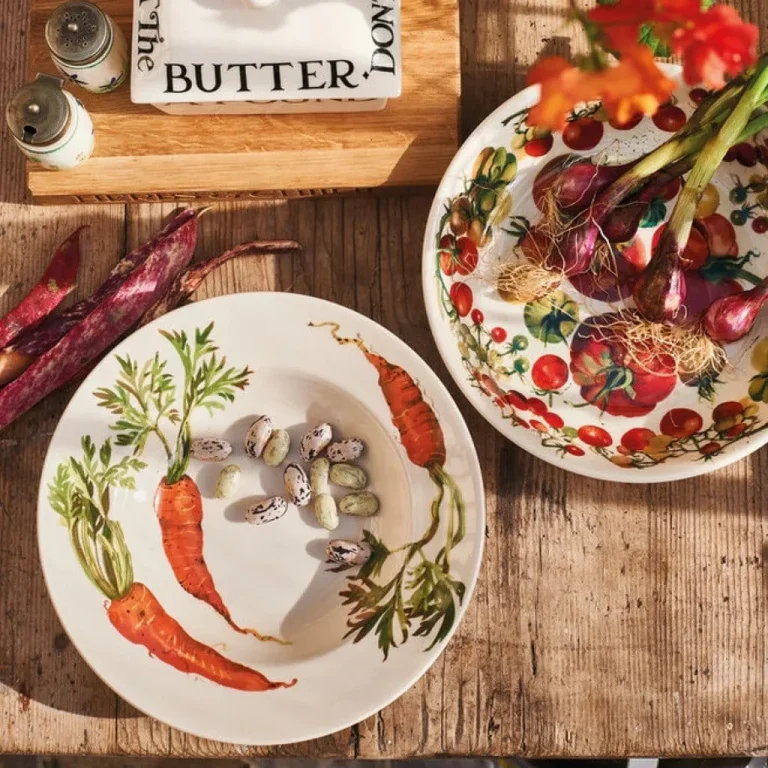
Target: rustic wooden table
[608,620]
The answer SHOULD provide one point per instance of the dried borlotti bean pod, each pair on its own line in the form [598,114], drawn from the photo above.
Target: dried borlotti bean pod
[210,449]
[342,552]
[319,473]
[257,436]
[326,512]
[363,504]
[350,449]
[229,478]
[297,485]
[266,511]
[315,442]
[348,476]
[277,448]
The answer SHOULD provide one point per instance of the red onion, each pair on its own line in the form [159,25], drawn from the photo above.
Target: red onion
[660,291]
[730,318]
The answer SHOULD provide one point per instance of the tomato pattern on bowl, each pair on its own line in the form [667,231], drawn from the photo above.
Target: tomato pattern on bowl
[547,373]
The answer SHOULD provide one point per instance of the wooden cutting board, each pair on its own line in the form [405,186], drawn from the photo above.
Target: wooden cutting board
[144,155]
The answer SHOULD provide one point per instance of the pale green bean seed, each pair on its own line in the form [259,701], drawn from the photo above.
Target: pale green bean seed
[363,504]
[229,478]
[318,476]
[277,448]
[348,476]
[325,512]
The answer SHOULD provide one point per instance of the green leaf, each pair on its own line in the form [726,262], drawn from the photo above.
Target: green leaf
[105,454]
[655,214]
[648,38]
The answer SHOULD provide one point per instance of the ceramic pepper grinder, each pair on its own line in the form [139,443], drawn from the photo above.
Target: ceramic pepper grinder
[87,46]
[50,126]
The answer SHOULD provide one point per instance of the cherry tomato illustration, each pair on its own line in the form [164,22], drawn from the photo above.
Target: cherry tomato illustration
[597,437]
[523,423]
[538,426]
[710,448]
[628,125]
[735,431]
[709,202]
[539,147]
[680,423]
[549,373]
[477,317]
[517,400]
[584,133]
[461,297]
[746,154]
[669,118]
[498,334]
[538,407]
[457,256]
[637,438]
[727,410]
[553,420]
[760,225]
[698,95]
[574,450]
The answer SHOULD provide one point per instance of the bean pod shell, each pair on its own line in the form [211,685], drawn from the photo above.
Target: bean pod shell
[277,448]
[266,511]
[347,450]
[229,479]
[325,512]
[349,476]
[343,552]
[297,485]
[315,442]
[257,437]
[210,449]
[363,504]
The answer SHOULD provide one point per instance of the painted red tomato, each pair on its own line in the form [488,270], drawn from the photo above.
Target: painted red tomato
[597,437]
[538,426]
[698,95]
[539,407]
[669,118]
[710,448]
[696,251]
[574,450]
[627,125]
[457,256]
[554,421]
[539,147]
[461,297]
[498,334]
[637,438]
[517,400]
[549,373]
[719,234]
[477,317]
[611,378]
[680,423]
[727,410]
[584,133]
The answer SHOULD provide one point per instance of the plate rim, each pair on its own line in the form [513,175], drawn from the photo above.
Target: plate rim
[430,656]
[683,471]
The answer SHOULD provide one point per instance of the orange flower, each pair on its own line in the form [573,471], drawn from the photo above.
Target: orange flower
[713,43]
[635,85]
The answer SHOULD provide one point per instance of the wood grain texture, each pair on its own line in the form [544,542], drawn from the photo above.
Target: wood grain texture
[608,620]
[141,151]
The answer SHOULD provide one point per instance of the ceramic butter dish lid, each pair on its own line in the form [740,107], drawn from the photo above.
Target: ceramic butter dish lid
[206,51]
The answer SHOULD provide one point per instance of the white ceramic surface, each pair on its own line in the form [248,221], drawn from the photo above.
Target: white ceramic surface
[272,577]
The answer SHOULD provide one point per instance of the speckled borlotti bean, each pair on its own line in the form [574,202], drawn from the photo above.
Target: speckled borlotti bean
[266,511]
[350,449]
[325,512]
[210,449]
[315,442]
[257,436]
[229,478]
[277,448]
[348,476]
[344,552]
[297,485]
[318,476]
[363,504]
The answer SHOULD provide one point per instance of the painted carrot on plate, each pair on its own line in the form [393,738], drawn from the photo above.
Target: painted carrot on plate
[80,494]
[57,282]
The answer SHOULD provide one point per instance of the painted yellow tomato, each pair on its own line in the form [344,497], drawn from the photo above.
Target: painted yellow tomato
[710,200]
[760,356]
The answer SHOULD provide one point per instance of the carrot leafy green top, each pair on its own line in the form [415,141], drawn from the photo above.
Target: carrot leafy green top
[79,493]
[144,396]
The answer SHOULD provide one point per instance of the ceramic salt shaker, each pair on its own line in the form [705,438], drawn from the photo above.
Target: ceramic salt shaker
[49,125]
[87,46]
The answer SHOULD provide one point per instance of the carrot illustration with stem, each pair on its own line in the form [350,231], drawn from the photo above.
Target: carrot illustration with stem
[423,591]
[143,398]
[80,494]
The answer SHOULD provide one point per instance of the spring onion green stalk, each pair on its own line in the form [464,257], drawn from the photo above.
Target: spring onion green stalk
[660,292]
